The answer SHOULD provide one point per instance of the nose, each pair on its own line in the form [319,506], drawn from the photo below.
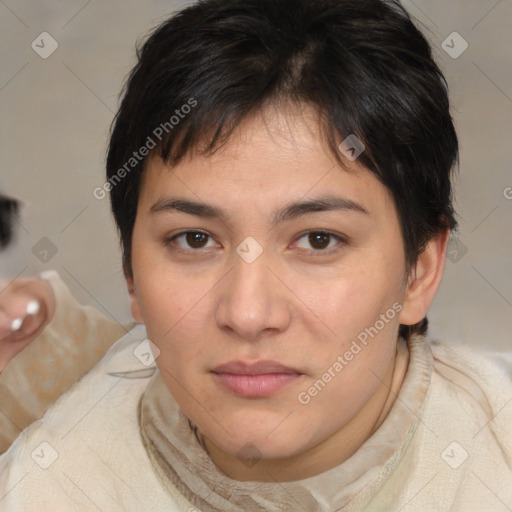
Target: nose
[253,301]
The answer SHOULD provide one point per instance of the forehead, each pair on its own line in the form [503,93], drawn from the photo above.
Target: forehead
[271,158]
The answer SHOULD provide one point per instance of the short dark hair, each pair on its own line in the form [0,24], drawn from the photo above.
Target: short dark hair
[362,65]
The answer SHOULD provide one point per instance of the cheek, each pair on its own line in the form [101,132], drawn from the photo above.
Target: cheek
[356,301]
[164,295]
[361,311]
[350,364]
[176,313]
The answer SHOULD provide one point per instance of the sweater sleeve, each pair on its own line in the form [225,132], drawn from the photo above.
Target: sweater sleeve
[70,345]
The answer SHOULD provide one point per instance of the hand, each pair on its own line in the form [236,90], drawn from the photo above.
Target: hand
[26,307]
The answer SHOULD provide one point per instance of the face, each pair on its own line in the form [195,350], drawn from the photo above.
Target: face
[248,275]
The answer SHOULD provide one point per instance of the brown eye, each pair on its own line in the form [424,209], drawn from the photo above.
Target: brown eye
[320,241]
[190,240]
[195,239]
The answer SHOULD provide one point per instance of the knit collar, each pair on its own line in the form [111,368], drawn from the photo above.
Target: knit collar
[180,458]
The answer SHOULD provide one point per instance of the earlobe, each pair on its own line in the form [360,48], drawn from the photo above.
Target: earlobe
[424,280]
[134,303]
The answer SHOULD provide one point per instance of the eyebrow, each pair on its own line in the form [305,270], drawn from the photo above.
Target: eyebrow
[290,211]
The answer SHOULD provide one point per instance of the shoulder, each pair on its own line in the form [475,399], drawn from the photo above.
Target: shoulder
[461,448]
[472,396]
[84,450]
[120,370]
[489,370]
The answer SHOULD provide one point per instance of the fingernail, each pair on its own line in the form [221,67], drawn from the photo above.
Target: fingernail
[33,307]
[16,324]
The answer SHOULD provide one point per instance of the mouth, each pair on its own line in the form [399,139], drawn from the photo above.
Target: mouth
[255,380]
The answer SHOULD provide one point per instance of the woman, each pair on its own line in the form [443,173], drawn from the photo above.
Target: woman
[279,172]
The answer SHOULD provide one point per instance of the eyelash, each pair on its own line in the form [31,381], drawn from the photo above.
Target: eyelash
[318,252]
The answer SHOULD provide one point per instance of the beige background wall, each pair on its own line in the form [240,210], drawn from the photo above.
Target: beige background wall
[55,114]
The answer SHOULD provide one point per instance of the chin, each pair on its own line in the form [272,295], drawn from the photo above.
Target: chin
[264,442]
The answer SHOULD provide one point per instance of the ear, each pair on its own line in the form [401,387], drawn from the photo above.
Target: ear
[134,303]
[424,280]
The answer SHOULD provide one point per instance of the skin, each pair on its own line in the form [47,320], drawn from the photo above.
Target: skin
[14,298]
[300,303]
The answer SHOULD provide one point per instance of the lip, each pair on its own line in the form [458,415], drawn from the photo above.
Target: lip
[254,368]
[255,380]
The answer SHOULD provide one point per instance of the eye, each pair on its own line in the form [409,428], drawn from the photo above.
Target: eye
[194,239]
[321,240]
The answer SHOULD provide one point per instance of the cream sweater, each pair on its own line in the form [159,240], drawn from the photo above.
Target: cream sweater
[117,441]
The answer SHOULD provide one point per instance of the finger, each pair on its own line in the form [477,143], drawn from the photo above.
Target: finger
[29,324]
[21,332]
[5,324]
[19,305]
[22,314]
